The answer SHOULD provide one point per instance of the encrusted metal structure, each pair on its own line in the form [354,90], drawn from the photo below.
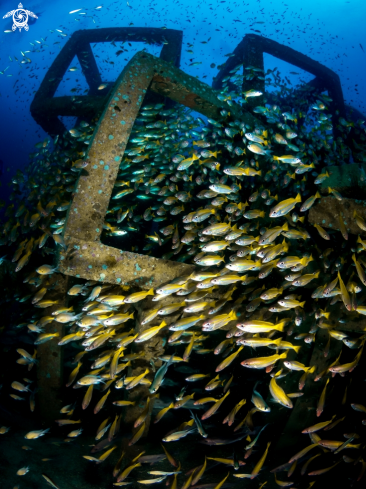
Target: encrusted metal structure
[46,108]
[250,52]
[86,256]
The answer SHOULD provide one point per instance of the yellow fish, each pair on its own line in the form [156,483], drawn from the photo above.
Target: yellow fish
[149,333]
[263,362]
[284,207]
[138,296]
[278,394]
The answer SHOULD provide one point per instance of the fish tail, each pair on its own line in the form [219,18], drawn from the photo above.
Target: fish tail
[151,292]
[298,198]
[312,369]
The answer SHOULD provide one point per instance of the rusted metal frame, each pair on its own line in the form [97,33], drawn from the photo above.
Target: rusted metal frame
[250,52]
[86,256]
[44,105]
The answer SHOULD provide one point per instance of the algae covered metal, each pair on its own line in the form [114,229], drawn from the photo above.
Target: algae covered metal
[86,256]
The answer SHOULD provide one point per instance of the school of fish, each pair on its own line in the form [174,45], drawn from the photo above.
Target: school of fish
[232,199]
